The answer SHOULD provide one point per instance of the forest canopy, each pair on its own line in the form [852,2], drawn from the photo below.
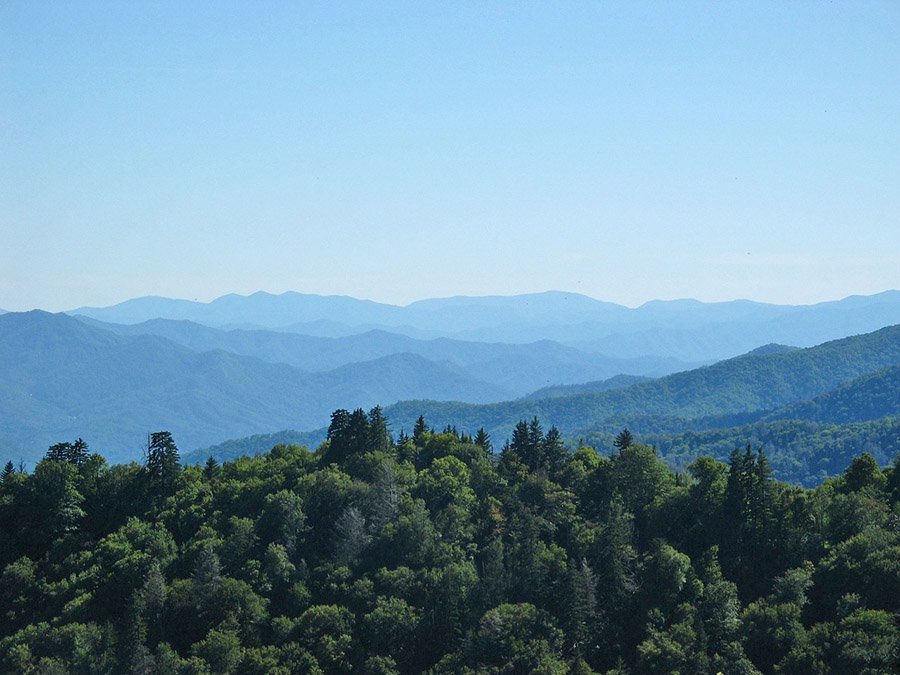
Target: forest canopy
[440,552]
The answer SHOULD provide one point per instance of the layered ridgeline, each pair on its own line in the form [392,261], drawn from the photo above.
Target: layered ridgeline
[432,555]
[60,378]
[754,384]
[687,330]
[517,369]
[770,397]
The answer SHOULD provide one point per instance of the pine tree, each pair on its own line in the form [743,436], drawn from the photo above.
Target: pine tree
[163,461]
[350,434]
[211,469]
[520,445]
[419,431]
[379,435]
[73,453]
[8,471]
[552,449]
[535,444]
[78,453]
[163,465]
[483,440]
[58,452]
[358,432]
[623,440]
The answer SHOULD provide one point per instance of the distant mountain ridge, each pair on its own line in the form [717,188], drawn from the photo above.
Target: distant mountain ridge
[61,378]
[687,330]
[517,368]
[744,384]
[806,442]
[793,399]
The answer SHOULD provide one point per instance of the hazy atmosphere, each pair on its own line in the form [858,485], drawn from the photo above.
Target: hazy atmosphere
[398,151]
[449,338]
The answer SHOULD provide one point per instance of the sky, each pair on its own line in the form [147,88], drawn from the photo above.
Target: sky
[397,151]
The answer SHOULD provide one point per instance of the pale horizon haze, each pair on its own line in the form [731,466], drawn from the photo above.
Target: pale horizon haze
[399,151]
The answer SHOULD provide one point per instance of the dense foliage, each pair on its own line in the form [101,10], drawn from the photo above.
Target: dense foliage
[433,553]
[800,451]
[759,383]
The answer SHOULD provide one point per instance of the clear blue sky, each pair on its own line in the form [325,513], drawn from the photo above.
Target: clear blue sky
[397,151]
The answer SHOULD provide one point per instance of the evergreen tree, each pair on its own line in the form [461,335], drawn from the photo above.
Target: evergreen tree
[379,435]
[535,457]
[58,503]
[211,469]
[163,464]
[73,453]
[528,443]
[623,440]
[483,440]
[358,434]
[552,449]
[350,434]
[747,539]
[419,431]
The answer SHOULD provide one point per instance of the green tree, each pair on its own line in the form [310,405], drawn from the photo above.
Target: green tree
[326,631]
[419,431]
[863,473]
[282,520]
[391,628]
[483,440]
[162,465]
[623,439]
[56,502]
[74,453]
[518,638]
[379,434]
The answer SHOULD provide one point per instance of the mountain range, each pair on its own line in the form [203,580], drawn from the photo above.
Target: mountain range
[516,369]
[237,367]
[756,383]
[808,437]
[61,378]
[687,330]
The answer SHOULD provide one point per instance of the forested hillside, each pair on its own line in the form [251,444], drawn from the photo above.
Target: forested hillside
[430,553]
[800,451]
[807,440]
[753,383]
[60,377]
[868,397]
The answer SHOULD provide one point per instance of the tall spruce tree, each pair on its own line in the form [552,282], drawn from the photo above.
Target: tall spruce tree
[483,440]
[163,465]
[379,435]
